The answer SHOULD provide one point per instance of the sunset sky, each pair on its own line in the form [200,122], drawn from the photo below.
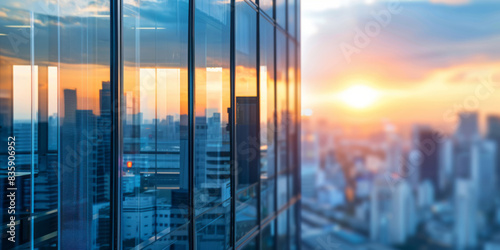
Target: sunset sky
[431,59]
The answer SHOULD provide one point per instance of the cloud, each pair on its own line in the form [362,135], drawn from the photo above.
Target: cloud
[450,2]
[423,38]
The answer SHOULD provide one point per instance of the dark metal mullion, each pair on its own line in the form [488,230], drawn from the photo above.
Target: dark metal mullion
[248,237]
[232,121]
[116,77]
[191,123]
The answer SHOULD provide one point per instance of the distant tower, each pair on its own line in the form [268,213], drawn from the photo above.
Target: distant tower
[381,211]
[425,143]
[394,154]
[403,211]
[392,212]
[70,106]
[465,215]
[425,194]
[493,134]
[466,134]
[105,99]
[445,165]
[483,172]
[468,129]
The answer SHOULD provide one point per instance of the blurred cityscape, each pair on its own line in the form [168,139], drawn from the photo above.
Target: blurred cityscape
[425,189]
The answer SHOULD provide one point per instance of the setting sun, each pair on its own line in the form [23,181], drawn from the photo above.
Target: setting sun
[359,96]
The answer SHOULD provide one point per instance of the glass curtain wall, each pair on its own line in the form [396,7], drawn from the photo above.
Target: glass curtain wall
[233,185]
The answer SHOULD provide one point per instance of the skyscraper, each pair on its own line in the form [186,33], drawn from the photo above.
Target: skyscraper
[493,134]
[428,148]
[468,127]
[465,215]
[392,212]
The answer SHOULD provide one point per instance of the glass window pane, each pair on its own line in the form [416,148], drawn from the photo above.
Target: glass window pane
[85,133]
[281,100]
[213,228]
[252,245]
[282,190]
[267,197]
[212,94]
[53,95]
[268,236]
[155,151]
[282,230]
[177,239]
[292,226]
[291,17]
[281,13]
[298,22]
[266,6]
[292,142]
[246,211]
[247,103]
[267,105]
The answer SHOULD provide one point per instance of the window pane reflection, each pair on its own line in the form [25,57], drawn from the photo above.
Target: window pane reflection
[267,197]
[247,103]
[291,17]
[266,6]
[292,142]
[155,180]
[267,105]
[268,237]
[282,230]
[281,100]
[246,211]
[281,13]
[212,140]
[85,133]
[213,228]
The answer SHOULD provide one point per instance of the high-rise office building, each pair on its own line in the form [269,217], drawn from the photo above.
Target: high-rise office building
[468,127]
[424,141]
[392,212]
[465,215]
[493,134]
[170,124]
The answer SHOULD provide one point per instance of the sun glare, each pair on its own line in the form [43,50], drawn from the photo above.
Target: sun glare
[359,96]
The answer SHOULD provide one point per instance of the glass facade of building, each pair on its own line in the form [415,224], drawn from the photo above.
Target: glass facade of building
[165,124]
